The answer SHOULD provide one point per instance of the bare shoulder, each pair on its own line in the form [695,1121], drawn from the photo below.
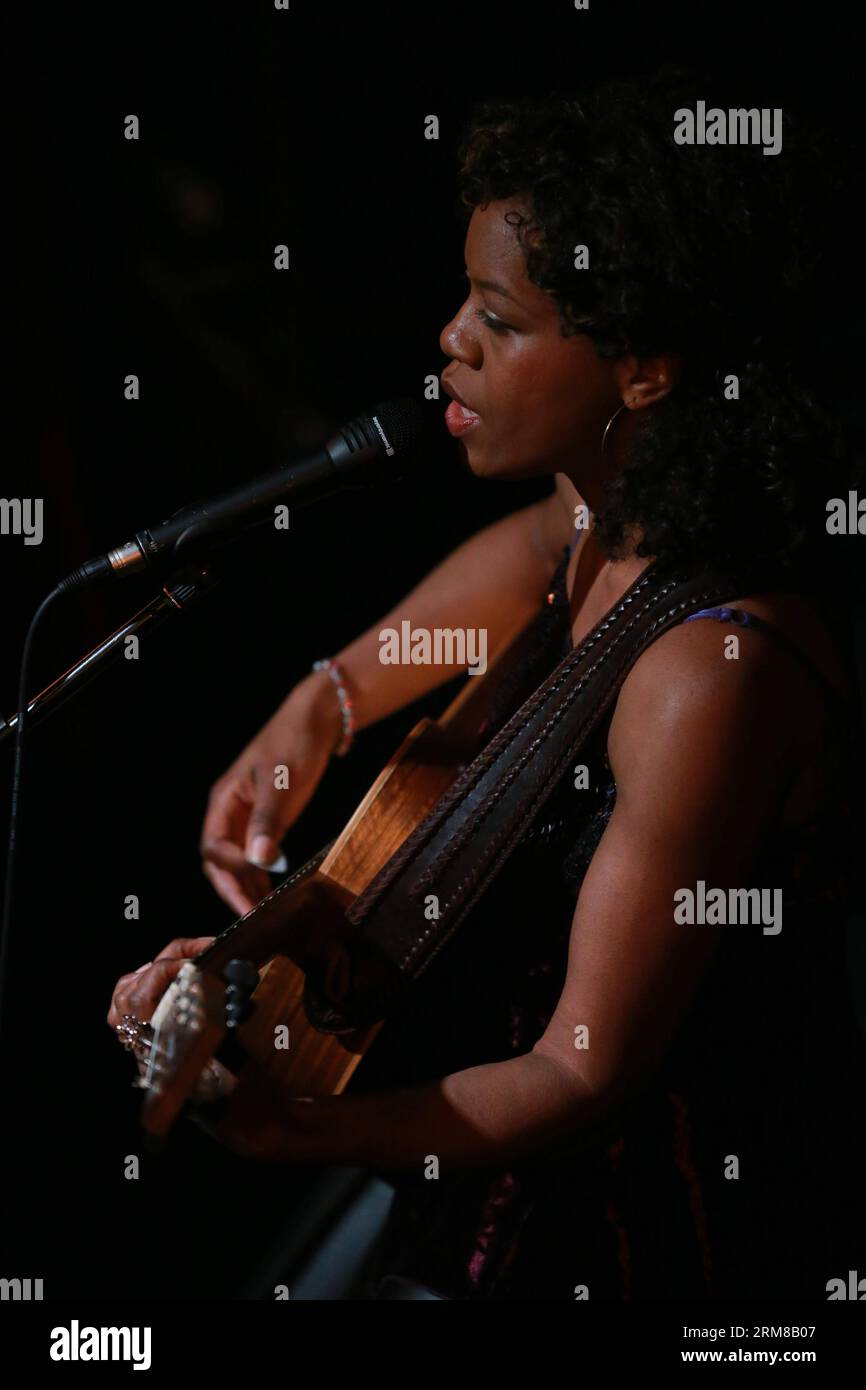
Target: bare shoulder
[797,659]
[709,697]
[693,700]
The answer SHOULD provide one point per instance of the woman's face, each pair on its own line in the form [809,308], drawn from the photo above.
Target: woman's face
[542,400]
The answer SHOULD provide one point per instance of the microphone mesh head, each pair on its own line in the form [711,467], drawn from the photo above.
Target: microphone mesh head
[381,444]
[405,422]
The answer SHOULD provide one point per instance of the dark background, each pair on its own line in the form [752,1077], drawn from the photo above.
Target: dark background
[156,257]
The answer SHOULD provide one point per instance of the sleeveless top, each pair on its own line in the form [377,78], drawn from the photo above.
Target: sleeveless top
[718,1181]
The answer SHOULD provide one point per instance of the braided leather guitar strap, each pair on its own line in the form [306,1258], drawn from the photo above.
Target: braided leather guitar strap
[465,839]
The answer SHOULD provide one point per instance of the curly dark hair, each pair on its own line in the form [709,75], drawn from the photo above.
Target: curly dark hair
[718,252]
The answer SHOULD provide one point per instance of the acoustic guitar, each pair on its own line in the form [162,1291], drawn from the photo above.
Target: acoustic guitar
[305,1036]
[257,967]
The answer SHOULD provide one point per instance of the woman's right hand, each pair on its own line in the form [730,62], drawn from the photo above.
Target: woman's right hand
[247,814]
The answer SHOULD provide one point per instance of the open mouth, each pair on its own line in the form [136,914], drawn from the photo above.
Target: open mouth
[459,419]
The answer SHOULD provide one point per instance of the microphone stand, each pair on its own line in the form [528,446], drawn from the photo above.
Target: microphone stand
[176,596]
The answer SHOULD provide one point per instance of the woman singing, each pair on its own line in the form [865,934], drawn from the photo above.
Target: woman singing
[621,1103]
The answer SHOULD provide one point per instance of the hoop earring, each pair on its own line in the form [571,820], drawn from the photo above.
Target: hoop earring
[607,428]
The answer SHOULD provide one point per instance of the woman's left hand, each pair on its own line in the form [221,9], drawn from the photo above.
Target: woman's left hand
[139,992]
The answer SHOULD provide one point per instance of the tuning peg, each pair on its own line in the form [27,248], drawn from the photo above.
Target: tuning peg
[241,978]
[242,973]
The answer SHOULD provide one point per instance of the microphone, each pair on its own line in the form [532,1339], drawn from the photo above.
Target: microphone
[370,449]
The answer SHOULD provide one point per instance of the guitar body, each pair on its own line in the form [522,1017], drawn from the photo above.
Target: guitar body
[302,922]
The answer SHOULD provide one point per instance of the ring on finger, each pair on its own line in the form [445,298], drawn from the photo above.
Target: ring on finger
[134,1035]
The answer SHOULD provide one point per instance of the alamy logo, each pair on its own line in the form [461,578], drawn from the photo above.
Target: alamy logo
[20,1290]
[732,906]
[855,1288]
[444,646]
[737,126]
[75,1343]
[846,518]
[22,516]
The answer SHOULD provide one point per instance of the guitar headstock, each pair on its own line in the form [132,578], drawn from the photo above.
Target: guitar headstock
[188,1025]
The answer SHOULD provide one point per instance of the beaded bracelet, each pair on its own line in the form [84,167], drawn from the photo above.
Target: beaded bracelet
[335,671]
